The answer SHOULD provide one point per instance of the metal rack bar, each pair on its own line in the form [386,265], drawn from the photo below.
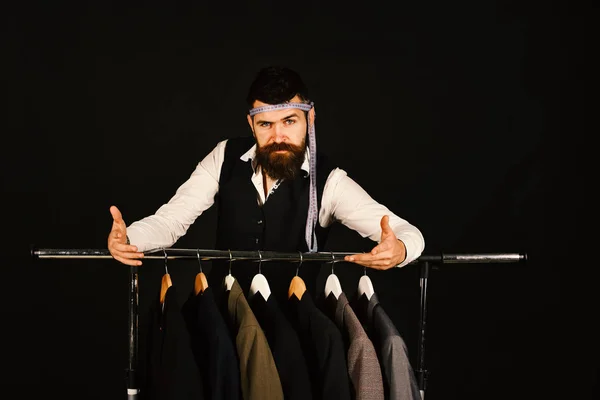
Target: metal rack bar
[204,254]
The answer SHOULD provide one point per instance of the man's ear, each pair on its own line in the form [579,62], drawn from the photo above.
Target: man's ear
[250,122]
[311,116]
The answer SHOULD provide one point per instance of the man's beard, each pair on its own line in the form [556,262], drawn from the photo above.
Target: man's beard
[281,165]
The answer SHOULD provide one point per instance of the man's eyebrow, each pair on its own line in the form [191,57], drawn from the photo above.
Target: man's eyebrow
[262,121]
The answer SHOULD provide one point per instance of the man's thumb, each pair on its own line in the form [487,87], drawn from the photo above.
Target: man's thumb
[116,214]
[385,225]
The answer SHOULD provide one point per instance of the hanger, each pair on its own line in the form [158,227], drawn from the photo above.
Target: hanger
[365,286]
[200,284]
[332,285]
[229,279]
[165,282]
[297,285]
[259,283]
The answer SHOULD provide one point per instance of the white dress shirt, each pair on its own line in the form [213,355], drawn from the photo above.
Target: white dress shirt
[343,200]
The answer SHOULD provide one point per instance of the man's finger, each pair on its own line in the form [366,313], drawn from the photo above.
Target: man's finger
[128,261]
[382,267]
[127,249]
[383,263]
[364,257]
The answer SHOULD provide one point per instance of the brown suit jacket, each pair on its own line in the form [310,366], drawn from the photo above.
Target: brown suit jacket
[259,378]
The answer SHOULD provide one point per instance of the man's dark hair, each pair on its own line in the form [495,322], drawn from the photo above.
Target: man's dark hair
[275,85]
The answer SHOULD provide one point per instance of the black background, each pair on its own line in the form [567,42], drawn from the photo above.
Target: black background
[466,118]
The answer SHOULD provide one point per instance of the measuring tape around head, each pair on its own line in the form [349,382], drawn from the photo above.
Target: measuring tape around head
[312,217]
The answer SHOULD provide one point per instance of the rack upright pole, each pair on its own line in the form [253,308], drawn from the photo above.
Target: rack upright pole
[421,368]
[132,381]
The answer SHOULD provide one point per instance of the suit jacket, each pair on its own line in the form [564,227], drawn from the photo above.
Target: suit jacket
[285,346]
[212,346]
[258,374]
[400,382]
[363,365]
[172,373]
[323,348]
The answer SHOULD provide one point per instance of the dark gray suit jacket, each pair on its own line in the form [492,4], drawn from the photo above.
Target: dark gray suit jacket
[363,365]
[399,379]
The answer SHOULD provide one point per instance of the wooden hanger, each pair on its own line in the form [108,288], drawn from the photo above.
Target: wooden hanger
[365,286]
[297,285]
[259,283]
[332,284]
[165,282]
[164,285]
[200,284]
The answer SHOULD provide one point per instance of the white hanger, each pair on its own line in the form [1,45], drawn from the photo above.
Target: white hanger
[365,286]
[229,279]
[332,285]
[259,283]
[229,282]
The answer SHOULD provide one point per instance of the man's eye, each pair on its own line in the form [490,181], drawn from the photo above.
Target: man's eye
[264,124]
[290,121]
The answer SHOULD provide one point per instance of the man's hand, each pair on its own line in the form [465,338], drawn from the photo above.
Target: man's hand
[117,241]
[387,254]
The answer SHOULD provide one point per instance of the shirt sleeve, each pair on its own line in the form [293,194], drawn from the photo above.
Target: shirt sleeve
[172,220]
[346,201]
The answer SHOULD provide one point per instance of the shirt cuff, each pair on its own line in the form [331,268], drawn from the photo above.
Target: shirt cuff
[412,250]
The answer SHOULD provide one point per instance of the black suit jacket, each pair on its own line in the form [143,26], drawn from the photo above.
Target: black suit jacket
[285,346]
[323,348]
[212,346]
[172,373]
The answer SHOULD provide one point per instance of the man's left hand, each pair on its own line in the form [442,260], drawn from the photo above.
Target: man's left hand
[387,254]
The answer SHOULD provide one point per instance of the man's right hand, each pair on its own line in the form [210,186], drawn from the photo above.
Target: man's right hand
[117,241]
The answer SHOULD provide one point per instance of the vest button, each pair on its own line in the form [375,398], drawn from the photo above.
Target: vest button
[260,221]
[256,240]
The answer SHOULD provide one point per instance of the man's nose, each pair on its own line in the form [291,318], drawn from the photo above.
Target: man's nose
[279,133]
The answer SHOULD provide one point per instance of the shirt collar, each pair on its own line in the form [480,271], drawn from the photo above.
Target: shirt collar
[250,155]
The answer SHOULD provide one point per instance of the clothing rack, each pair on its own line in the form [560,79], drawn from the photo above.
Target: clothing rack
[424,262]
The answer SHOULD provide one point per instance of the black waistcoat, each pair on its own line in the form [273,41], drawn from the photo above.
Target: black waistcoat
[278,225]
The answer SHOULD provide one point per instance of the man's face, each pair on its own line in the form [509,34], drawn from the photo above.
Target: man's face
[281,140]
